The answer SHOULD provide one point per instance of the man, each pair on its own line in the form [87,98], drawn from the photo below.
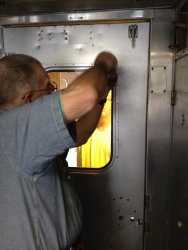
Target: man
[35,128]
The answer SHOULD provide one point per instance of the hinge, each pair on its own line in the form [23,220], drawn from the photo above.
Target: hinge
[173,97]
[147,201]
[147,227]
[147,206]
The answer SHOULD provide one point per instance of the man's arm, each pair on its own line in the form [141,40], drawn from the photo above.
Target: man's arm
[83,93]
[89,88]
[86,125]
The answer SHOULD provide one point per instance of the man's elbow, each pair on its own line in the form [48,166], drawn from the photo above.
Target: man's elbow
[81,141]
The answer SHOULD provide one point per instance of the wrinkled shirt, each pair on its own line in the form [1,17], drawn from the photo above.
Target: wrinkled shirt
[32,212]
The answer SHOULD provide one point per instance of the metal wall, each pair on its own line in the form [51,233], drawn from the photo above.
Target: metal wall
[159,130]
[178,174]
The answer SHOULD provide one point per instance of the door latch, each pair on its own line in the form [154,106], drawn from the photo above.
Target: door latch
[133,34]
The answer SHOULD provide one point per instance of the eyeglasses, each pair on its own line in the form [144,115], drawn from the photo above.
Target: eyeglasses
[51,87]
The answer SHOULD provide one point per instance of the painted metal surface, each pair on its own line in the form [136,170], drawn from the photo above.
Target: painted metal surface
[113,199]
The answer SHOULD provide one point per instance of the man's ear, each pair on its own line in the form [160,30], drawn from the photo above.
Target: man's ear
[27,98]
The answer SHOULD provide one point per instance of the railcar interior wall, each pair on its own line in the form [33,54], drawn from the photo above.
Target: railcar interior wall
[136,199]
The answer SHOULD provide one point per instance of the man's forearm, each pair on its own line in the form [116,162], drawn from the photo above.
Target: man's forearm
[86,125]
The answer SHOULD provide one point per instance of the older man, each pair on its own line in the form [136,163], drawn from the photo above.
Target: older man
[35,128]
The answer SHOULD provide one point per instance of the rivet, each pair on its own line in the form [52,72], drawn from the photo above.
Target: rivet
[121,217]
[132,218]
[179,224]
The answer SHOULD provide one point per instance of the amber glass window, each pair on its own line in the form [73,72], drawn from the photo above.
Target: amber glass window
[96,153]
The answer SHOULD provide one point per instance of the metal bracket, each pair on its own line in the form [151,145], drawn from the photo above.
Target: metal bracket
[133,33]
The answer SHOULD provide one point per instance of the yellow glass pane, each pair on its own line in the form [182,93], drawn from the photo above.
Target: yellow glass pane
[96,152]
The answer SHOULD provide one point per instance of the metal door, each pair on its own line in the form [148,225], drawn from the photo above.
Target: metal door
[113,197]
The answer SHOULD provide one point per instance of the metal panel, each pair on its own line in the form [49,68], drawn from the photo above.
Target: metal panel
[113,199]
[178,185]
[159,131]
[158,80]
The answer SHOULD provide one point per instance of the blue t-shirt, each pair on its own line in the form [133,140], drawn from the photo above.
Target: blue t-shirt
[32,211]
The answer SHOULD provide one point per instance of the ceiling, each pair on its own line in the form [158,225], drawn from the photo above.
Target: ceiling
[14,7]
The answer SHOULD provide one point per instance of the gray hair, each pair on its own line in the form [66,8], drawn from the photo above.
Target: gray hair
[17,71]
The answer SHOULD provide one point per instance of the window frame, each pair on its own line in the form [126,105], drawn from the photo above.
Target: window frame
[114,123]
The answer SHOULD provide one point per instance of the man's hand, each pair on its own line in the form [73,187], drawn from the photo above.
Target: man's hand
[112,79]
[107,60]
[109,63]
[82,95]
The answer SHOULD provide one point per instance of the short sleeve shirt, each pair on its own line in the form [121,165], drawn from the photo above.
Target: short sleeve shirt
[32,213]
